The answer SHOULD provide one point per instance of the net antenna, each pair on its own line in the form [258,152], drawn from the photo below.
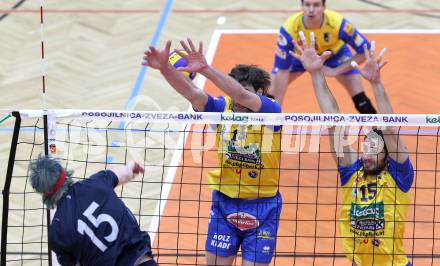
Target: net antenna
[43,59]
[49,123]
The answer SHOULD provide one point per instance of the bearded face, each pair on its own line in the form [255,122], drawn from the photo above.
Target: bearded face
[374,156]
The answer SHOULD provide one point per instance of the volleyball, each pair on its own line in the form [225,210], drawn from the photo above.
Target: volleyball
[177,61]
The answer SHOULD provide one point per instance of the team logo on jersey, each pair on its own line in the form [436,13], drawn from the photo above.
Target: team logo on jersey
[362,241]
[326,37]
[253,174]
[266,249]
[248,156]
[358,40]
[375,242]
[344,59]
[265,235]
[243,220]
[348,28]
[282,41]
[280,53]
[367,218]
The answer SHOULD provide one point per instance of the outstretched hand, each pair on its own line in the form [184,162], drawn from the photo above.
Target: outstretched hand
[373,65]
[157,59]
[128,172]
[311,61]
[196,61]
[135,168]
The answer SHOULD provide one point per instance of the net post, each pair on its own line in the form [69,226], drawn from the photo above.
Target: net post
[7,186]
[46,152]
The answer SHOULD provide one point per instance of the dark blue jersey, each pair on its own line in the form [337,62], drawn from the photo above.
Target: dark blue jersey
[92,226]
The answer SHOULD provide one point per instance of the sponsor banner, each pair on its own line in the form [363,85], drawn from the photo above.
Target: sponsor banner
[433,119]
[246,118]
[243,220]
[153,116]
[51,134]
[358,119]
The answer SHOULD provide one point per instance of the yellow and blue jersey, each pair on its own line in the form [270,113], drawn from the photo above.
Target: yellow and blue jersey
[334,35]
[373,214]
[248,155]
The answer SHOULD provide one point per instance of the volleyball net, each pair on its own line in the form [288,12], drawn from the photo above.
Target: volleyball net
[172,199]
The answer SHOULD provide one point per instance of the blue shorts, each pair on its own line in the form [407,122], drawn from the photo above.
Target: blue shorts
[251,224]
[343,56]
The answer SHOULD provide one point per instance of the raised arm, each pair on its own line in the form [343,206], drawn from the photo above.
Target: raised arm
[279,84]
[371,72]
[333,72]
[327,102]
[282,63]
[197,63]
[128,172]
[343,153]
[182,84]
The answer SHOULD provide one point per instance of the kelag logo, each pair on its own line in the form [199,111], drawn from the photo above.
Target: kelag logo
[433,120]
[234,118]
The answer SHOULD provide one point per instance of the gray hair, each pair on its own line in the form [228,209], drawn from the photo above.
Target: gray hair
[44,173]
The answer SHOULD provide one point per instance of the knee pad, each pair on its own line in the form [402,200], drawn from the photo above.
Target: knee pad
[363,104]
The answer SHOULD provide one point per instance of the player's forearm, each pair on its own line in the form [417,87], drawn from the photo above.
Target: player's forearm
[280,82]
[123,174]
[128,172]
[382,100]
[359,58]
[324,96]
[224,82]
[233,89]
[396,147]
[185,87]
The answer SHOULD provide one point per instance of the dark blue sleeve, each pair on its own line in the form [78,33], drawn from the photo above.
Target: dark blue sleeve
[284,45]
[215,104]
[402,173]
[346,172]
[349,34]
[105,178]
[58,243]
[269,105]
[65,259]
